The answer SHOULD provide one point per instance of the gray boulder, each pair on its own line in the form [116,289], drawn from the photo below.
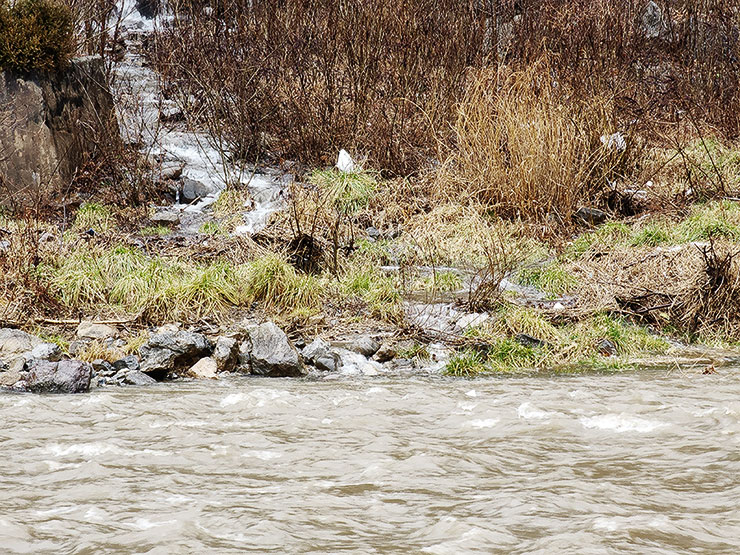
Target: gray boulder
[135,377]
[66,376]
[272,354]
[386,353]
[365,345]
[15,343]
[129,362]
[226,354]
[47,351]
[169,352]
[193,189]
[320,354]
[165,217]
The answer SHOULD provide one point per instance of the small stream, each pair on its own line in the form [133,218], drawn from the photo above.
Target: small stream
[142,113]
[646,462]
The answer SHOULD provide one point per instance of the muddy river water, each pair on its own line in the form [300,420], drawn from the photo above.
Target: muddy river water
[647,462]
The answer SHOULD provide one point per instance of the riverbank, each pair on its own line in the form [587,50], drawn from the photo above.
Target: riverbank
[542,233]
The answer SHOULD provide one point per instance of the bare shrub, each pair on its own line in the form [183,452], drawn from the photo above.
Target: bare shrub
[303,79]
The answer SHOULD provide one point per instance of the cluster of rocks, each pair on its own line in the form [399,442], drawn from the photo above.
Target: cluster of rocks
[28,363]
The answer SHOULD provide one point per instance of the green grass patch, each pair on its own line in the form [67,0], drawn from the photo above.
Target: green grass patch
[349,192]
[155,230]
[553,280]
[95,216]
[380,292]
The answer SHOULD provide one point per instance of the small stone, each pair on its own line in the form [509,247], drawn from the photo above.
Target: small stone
[607,348]
[226,354]
[47,351]
[165,217]
[193,190]
[204,369]
[135,377]
[529,340]
[103,368]
[77,346]
[129,362]
[94,330]
[373,233]
[329,362]
[589,216]
[365,345]
[386,353]
[244,357]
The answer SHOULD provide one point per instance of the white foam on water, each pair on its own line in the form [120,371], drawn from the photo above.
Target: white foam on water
[472,393]
[528,412]
[56,465]
[467,407]
[232,399]
[263,455]
[146,524]
[91,450]
[621,423]
[327,421]
[484,423]
[94,514]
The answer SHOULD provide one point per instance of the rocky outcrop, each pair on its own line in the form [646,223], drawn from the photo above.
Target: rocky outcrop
[50,124]
[320,354]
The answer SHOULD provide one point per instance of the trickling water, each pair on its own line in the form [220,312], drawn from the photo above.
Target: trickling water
[140,102]
[641,463]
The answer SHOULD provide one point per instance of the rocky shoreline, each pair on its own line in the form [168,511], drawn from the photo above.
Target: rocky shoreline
[30,364]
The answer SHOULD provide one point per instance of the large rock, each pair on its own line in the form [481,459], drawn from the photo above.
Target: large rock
[50,124]
[169,352]
[204,369]
[365,345]
[272,354]
[66,376]
[226,354]
[15,343]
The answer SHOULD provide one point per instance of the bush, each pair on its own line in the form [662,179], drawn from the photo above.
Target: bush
[35,35]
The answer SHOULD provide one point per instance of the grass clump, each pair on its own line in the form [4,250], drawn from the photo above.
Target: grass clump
[155,231]
[95,216]
[35,35]
[380,292]
[553,279]
[275,283]
[349,192]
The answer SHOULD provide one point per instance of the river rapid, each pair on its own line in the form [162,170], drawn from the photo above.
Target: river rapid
[647,462]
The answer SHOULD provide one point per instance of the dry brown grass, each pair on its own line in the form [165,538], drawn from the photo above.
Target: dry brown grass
[527,148]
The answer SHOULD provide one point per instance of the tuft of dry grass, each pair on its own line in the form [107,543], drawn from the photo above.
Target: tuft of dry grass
[528,148]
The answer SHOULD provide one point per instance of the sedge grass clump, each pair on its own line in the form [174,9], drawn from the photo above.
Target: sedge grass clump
[526,149]
[380,292]
[95,216]
[552,279]
[274,283]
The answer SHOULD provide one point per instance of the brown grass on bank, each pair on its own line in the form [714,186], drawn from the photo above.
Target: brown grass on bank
[529,149]
[691,288]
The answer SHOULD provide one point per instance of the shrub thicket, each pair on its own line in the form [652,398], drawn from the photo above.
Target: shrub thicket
[35,35]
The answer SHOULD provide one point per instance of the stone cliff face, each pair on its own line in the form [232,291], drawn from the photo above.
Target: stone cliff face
[50,124]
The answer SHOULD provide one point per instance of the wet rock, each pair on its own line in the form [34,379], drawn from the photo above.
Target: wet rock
[272,354]
[129,362]
[226,354]
[135,377]
[8,377]
[386,353]
[607,348]
[472,320]
[589,216]
[103,368]
[204,369]
[168,352]
[66,376]
[94,330]
[529,341]
[171,170]
[193,190]
[364,345]
[244,357]
[165,217]
[47,351]
[320,354]
[77,346]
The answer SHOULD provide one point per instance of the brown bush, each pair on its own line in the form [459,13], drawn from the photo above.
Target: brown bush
[303,79]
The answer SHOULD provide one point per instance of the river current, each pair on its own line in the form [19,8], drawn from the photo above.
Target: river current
[647,462]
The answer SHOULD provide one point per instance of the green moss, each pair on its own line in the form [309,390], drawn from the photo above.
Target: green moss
[35,35]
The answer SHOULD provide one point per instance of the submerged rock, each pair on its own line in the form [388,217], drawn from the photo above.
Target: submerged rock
[272,354]
[168,352]
[66,376]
